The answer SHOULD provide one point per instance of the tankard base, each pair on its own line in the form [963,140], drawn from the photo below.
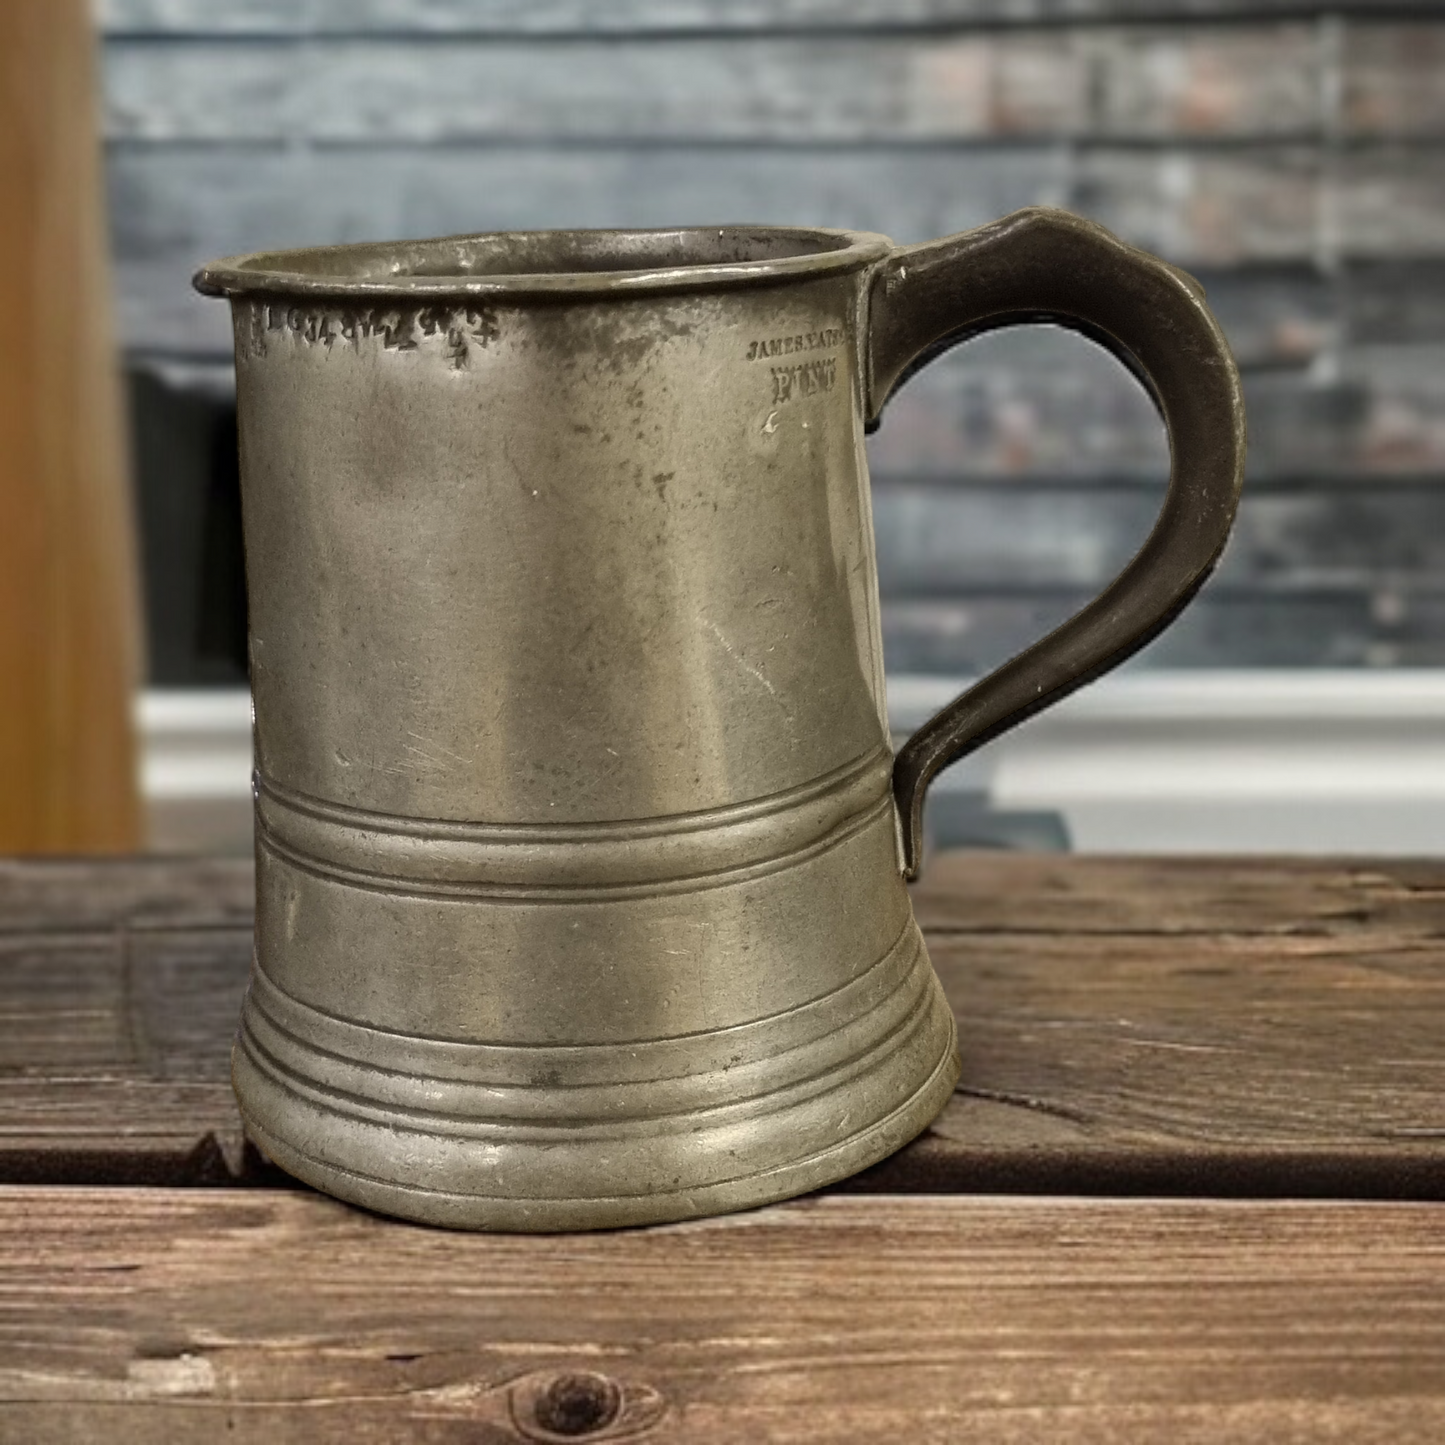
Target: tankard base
[540,1216]
[539,1160]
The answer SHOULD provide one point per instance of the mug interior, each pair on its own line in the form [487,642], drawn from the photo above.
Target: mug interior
[548,260]
[552,253]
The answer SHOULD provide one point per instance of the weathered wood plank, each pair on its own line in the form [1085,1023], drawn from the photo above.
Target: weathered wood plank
[942,539]
[1392,80]
[1391,202]
[119,992]
[626,17]
[1191,1067]
[158,1316]
[78,896]
[1078,896]
[1126,1025]
[1216,208]
[932,539]
[1135,84]
[65,1000]
[117,1129]
[1042,403]
[971,632]
[174,207]
[1395,303]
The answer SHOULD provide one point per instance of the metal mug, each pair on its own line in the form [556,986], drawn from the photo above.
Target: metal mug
[581,848]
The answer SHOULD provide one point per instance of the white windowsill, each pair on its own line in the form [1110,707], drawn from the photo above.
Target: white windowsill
[1166,762]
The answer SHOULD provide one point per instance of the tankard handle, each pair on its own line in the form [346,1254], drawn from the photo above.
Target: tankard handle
[1042,264]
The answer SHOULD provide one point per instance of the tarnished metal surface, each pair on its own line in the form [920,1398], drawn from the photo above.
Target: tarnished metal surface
[581,893]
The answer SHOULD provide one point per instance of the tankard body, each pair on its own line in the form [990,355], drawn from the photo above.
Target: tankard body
[581,858]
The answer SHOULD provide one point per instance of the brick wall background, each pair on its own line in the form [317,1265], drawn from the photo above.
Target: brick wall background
[1291,155]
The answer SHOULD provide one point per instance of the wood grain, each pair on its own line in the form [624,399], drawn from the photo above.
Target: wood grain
[973,631]
[157,1316]
[1095,84]
[69,616]
[941,539]
[80,895]
[1161,1026]
[1220,898]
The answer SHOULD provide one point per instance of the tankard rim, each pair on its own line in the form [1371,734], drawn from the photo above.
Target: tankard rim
[392,269]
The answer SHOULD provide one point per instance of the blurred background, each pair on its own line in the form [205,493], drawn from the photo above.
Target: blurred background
[1291,155]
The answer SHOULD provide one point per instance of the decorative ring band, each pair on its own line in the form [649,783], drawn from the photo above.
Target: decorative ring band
[351,843]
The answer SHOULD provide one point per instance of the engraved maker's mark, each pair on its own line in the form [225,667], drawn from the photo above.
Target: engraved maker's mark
[801,378]
[766,348]
[402,328]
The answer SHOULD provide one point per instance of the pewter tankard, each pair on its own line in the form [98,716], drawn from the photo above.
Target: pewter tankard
[582,851]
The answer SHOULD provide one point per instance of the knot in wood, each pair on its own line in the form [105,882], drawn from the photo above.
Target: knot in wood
[578,1404]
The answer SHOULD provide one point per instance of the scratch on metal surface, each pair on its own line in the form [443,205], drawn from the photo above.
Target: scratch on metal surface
[737,657]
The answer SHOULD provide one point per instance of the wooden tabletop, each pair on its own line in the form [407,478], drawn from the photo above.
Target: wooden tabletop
[1189,1188]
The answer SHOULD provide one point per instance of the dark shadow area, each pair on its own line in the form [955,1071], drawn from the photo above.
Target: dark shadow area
[188,497]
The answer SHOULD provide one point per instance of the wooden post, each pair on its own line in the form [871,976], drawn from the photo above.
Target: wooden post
[69,613]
